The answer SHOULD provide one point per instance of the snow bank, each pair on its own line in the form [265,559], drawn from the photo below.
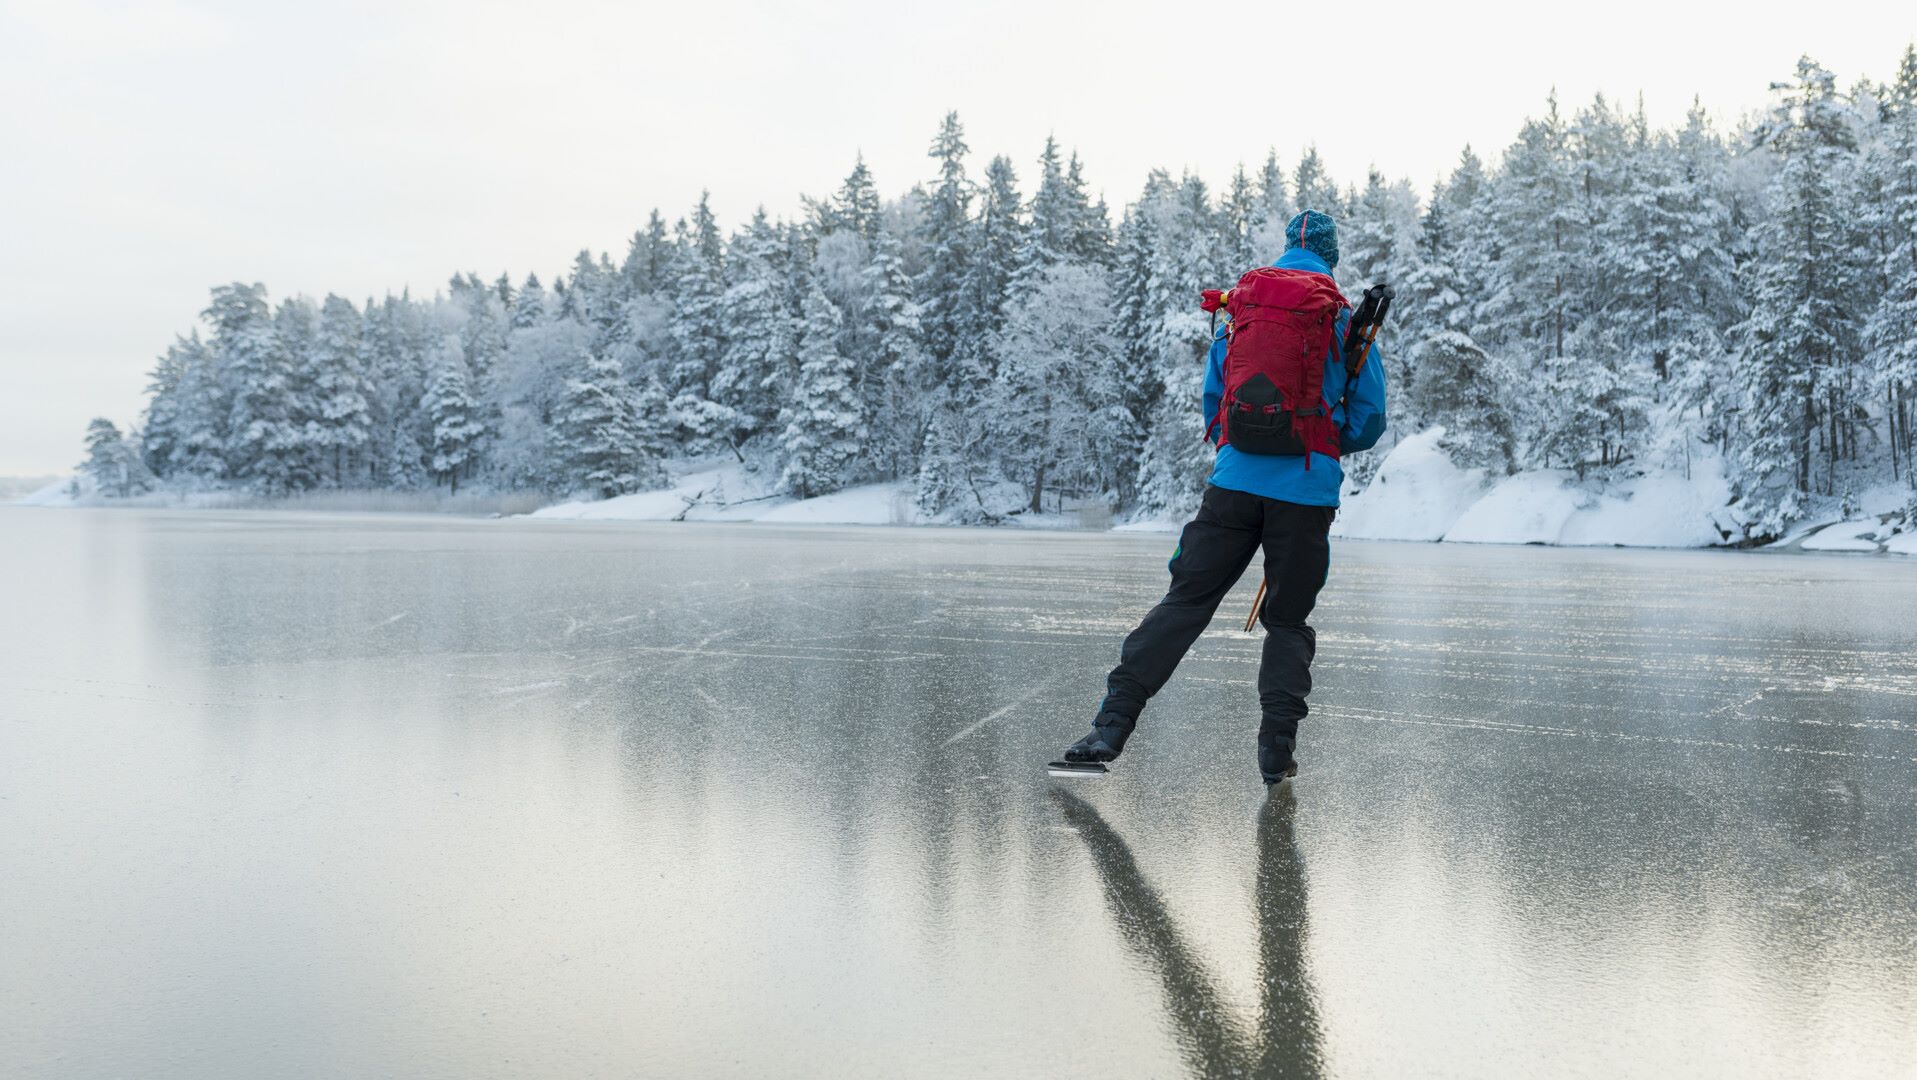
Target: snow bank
[873,504]
[1844,536]
[1529,508]
[1418,494]
[722,493]
[729,493]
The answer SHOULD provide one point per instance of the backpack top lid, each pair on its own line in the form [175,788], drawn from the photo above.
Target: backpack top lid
[1277,289]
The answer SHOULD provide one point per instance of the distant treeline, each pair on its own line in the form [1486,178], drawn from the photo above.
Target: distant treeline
[1607,297]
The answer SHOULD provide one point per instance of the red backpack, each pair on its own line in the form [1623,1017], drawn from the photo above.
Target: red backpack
[1279,334]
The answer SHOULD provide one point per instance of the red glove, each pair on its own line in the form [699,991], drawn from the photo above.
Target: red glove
[1213,299]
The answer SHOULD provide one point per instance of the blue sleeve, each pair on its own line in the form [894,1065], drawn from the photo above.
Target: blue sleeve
[1214,381]
[1364,422]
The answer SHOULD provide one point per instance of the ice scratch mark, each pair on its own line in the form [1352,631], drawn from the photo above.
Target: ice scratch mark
[546,685]
[982,721]
[389,622]
[711,702]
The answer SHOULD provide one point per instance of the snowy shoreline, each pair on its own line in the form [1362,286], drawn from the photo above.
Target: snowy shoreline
[1418,496]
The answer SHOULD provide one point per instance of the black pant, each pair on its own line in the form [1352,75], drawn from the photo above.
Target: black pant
[1212,554]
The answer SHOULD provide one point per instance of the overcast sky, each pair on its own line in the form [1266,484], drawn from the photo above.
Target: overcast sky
[151,150]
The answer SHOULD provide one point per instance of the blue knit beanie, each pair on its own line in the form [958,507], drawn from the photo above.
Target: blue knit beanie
[1316,233]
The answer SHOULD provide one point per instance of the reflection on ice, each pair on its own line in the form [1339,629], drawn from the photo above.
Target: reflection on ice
[376,795]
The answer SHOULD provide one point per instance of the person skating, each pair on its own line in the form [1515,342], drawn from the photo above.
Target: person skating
[1274,484]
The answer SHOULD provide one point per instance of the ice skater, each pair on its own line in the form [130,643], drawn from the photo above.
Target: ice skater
[1294,381]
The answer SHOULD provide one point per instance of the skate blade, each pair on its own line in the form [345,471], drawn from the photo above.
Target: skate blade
[1077,769]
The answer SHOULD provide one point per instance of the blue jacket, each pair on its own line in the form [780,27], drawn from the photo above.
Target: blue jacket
[1360,422]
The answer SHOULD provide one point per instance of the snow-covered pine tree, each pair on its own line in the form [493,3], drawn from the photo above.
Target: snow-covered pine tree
[824,427]
[1696,254]
[944,286]
[698,291]
[453,410]
[113,461]
[761,342]
[856,206]
[1891,333]
[648,262]
[341,390]
[255,371]
[1313,188]
[1237,212]
[1534,210]
[1378,239]
[1054,397]
[1270,213]
[529,307]
[1094,240]
[895,396]
[1051,227]
[1441,376]
[599,439]
[995,251]
[395,337]
[1184,259]
[184,417]
[1798,292]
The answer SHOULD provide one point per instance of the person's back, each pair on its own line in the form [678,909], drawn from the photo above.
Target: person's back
[1283,502]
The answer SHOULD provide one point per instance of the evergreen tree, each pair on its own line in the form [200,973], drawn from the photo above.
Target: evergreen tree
[113,461]
[451,407]
[599,436]
[944,287]
[185,416]
[1054,400]
[649,256]
[995,249]
[698,325]
[1799,336]
[894,389]
[752,380]
[1313,188]
[856,205]
[342,422]
[824,425]
[529,308]
[256,371]
[1891,334]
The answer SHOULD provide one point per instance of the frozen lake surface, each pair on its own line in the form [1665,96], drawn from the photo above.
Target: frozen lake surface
[345,796]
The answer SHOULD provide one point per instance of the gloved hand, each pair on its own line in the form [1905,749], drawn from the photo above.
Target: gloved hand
[1212,299]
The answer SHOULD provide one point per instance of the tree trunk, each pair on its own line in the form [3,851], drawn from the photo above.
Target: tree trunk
[1890,414]
[1038,489]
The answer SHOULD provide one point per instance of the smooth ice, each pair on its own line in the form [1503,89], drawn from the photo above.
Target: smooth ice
[350,796]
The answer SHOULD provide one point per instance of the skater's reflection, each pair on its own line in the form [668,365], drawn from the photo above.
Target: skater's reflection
[1284,1040]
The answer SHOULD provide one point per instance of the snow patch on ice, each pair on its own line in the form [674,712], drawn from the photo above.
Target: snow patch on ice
[1845,536]
[872,504]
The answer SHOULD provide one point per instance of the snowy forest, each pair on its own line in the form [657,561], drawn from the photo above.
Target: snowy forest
[1602,297]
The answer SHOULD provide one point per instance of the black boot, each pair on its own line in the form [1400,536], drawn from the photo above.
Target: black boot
[1106,741]
[1087,756]
[1274,759]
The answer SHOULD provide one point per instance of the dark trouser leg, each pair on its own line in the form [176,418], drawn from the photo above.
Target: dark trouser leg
[1212,554]
[1297,559]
